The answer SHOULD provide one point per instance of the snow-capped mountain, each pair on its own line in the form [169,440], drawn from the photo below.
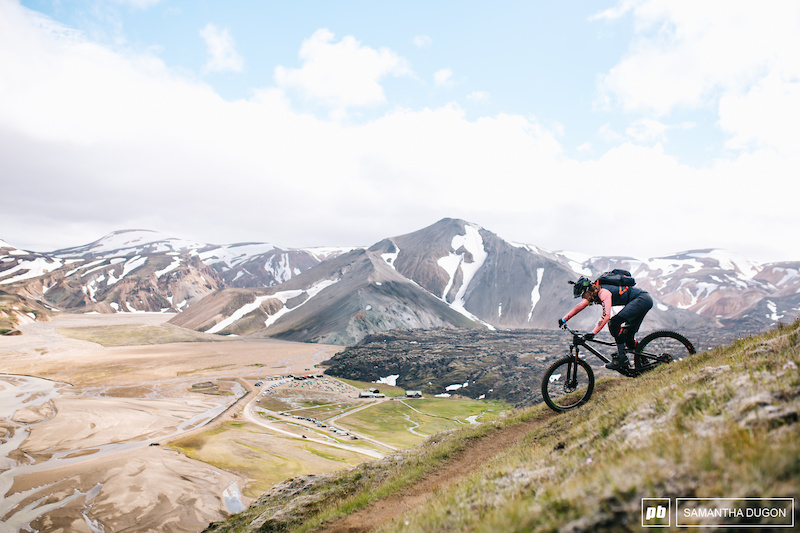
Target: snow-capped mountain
[128,243]
[146,271]
[498,284]
[337,302]
[250,264]
[452,273]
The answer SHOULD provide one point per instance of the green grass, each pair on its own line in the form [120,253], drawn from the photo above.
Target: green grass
[389,390]
[723,423]
[259,456]
[392,422]
[693,429]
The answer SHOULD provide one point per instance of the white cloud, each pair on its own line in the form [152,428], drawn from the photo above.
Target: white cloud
[478,96]
[685,53]
[223,56]
[92,140]
[734,57]
[647,130]
[766,116]
[342,74]
[443,77]
[608,134]
[422,41]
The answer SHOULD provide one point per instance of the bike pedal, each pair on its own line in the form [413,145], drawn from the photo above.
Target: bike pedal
[617,367]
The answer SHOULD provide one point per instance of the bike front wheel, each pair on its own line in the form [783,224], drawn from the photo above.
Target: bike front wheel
[567,384]
[665,346]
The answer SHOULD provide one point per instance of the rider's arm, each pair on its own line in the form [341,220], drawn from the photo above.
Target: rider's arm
[605,299]
[577,309]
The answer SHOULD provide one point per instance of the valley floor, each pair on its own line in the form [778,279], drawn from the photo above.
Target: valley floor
[124,422]
[83,426]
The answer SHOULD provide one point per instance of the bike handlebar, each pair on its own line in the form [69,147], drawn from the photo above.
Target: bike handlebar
[574,333]
[578,336]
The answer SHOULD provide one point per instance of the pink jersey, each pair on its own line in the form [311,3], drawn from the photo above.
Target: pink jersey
[605,300]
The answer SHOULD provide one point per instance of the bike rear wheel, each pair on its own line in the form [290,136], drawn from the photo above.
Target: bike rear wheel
[668,346]
[567,384]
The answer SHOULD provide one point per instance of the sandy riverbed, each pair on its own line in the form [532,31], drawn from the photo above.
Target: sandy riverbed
[76,452]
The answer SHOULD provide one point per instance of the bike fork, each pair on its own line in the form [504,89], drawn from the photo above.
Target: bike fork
[572,370]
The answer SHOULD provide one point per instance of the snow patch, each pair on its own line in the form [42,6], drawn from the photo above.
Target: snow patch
[773,311]
[670,266]
[535,296]
[390,258]
[473,243]
[279,267]
[34,269]
[789,274]
[132,265]
[575,261]
[450,265]
[238,314]
[176,262]
[389,380]
[235,254]
[731,261]
[285,296]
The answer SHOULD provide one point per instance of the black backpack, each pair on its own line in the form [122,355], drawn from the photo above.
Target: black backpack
[617,277]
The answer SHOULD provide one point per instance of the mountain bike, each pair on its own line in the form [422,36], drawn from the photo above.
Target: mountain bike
[569,382]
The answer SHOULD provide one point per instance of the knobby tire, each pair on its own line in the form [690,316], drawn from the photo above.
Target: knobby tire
[567,384]
[670,345]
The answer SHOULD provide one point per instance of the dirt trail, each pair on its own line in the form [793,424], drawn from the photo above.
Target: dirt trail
[468,460]
[460,466]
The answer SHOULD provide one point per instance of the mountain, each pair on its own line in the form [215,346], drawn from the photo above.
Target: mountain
[511,286]
[420,279]
[505,284]
[250,264]
[337,302]
[474,270]
[146,271]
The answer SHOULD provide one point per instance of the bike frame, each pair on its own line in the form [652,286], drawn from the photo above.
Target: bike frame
[578,341]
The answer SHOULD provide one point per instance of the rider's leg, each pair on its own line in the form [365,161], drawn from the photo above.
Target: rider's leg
[634,314]
[620,359]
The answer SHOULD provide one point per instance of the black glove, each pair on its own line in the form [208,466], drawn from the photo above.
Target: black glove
[588,336]
[562,322]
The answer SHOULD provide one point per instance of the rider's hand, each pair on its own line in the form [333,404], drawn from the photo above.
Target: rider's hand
[588,336]
[562,322]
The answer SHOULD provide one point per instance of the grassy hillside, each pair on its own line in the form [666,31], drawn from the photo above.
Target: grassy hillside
[723,423]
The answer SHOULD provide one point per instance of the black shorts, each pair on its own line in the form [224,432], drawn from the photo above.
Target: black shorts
[633,314]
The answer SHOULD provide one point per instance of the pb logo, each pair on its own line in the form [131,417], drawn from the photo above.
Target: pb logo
[656,512]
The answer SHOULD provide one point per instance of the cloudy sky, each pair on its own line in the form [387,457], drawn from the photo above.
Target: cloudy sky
[638,128]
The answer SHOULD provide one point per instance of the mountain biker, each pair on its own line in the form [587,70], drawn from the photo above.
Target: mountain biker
[636,301]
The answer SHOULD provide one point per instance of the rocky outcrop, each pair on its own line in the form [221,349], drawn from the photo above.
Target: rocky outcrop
[477,363]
